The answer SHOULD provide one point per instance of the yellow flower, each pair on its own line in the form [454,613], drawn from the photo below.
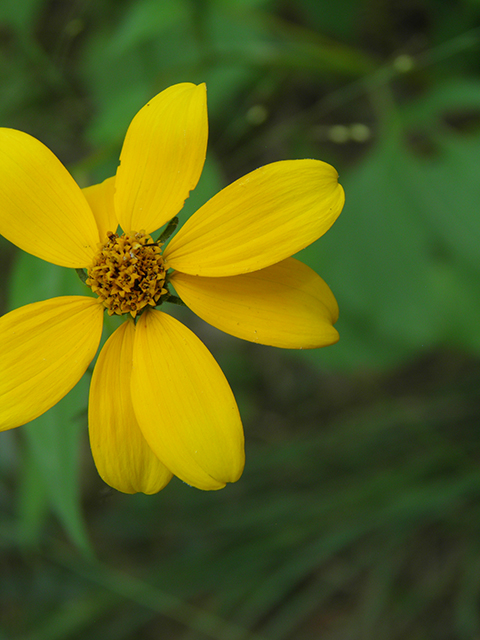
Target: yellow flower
[159,403]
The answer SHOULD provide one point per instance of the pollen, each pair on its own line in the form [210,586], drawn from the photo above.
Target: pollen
[128,273]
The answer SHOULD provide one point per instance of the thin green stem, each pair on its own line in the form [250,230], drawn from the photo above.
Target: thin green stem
[167,232]
[82,274]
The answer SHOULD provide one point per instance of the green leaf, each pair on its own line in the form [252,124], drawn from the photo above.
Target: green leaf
[54,440]
[401,258]
[34,280]
[21,15]
[139,57]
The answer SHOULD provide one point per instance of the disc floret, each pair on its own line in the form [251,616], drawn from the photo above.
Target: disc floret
[128,273]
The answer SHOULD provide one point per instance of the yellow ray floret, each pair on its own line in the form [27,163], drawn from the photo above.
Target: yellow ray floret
[259,220]
[122,456]
[286,305]
[43,211]
[184,405]
[45,349]
[162,157]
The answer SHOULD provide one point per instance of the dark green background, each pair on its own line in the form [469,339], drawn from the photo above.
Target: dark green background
[358,515]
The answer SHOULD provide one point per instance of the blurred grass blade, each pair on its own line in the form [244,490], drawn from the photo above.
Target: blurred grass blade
[54,442]
[172,607]
[32,501]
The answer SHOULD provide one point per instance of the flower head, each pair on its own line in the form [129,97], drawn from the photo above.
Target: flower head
[159,403]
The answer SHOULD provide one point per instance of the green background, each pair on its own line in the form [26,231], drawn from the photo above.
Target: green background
[358,515]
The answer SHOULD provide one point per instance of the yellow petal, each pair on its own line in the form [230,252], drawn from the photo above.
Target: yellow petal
[259,220]
[43,210]
[122,456]
[162,157]
[287,305]
[184,405]
[100,199]
[45,348]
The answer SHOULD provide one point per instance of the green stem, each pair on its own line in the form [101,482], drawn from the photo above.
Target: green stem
[82,274]
[167,232]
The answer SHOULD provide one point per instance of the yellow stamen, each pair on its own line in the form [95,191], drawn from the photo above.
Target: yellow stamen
[128,273]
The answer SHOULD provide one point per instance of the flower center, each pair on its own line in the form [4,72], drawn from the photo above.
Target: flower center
[128,273]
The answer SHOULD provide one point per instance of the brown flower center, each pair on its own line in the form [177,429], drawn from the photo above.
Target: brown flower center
[128,273]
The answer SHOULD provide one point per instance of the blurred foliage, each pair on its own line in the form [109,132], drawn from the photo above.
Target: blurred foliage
[358,515]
